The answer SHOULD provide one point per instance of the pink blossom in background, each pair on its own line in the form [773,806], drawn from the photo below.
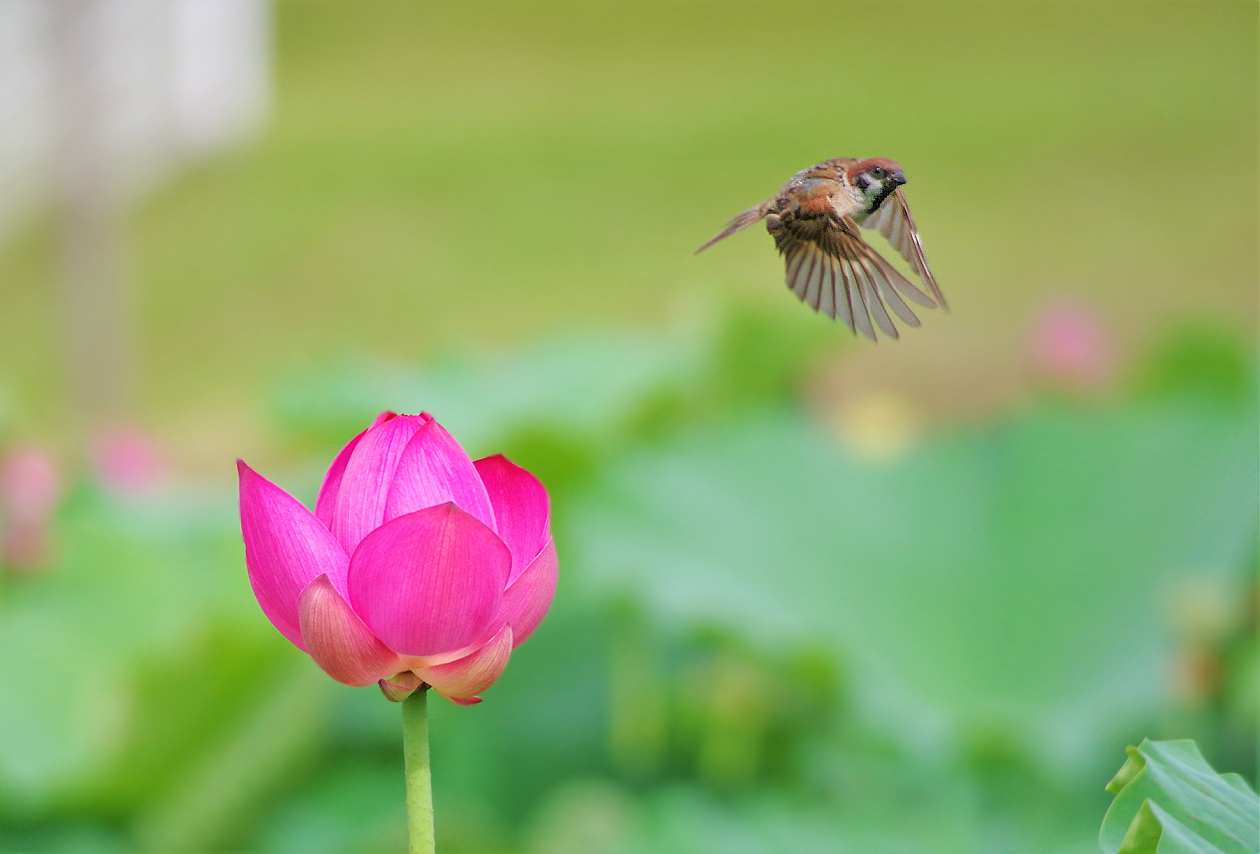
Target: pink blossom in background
[30,488]
[127,461]
[1071,346]
[418,565]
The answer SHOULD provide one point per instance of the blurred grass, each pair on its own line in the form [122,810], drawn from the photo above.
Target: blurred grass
[453,177]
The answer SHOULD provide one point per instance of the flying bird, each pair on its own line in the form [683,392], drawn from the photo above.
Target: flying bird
[814,221]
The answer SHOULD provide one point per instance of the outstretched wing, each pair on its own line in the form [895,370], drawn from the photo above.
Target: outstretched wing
[739,223]
[893,220]
[838,274]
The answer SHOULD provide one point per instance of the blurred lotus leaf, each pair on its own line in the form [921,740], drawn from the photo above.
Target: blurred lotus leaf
[1009,578]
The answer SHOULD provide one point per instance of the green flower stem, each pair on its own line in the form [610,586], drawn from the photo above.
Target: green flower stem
[419,786]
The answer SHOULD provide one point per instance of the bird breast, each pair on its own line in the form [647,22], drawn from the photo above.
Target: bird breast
[808,197]
[820,197]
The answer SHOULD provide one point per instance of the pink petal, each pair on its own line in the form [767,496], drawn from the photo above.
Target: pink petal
[286,548]
[365,480]
[527,599]
[327,501]
[429,582]
[463,701]
[433,470]
[522,511]
[400,687]
[472,674]
[337,639]
[387,415]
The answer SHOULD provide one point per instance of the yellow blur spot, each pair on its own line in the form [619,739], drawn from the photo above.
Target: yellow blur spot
[878,425]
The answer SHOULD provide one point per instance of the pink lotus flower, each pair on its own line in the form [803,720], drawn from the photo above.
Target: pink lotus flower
[418,565]
[1071,346]
[127,461]
[30,489]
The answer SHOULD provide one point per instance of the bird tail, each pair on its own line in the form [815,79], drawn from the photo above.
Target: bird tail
[739,223]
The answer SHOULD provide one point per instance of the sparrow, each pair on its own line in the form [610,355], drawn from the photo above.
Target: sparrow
[814,221]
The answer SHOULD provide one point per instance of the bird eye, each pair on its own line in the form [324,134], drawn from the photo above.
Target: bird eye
[877,171]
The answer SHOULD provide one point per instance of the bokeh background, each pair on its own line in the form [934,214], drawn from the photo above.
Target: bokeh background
[817,594]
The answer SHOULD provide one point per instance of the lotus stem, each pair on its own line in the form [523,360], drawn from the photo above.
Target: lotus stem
[419,785]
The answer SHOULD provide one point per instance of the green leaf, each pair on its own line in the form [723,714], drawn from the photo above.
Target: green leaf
[583,385]
[136,583]
[1011,578]
[217,793]
[1169,800]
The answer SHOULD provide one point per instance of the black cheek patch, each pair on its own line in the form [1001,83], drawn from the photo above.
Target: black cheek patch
[885,191]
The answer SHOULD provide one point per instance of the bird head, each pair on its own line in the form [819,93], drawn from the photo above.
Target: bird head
[875,178]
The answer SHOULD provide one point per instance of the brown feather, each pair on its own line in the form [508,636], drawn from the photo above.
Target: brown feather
[859,301]
[894,221]
[739,223]
[828,264]
[857,167]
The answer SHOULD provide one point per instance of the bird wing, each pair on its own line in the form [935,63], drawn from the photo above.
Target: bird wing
[894,221]
[838,274]
[739,223]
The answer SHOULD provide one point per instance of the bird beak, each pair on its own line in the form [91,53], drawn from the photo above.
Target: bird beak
[898,177]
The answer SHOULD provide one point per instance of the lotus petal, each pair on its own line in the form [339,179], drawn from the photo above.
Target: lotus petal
[472,674]
[463,701]
[430,581]
[522,510]
[286,548]
[400,687]
[433,470]
[527,599]
[338,640]
[364,486]
[326,504]
[386,416]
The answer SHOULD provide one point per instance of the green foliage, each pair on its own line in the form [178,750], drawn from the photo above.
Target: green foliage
[1204,363]
[1169,800]
[763,631]
[982,573]
[1026,606]
[770,635]
[135,584]
[585,388]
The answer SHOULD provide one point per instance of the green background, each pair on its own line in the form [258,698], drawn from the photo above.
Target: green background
[817,594]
